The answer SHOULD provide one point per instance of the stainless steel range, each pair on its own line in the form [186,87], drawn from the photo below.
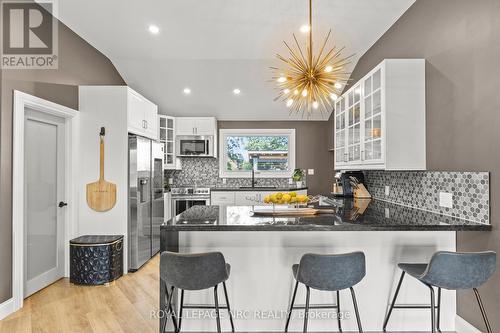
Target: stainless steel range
[184,198]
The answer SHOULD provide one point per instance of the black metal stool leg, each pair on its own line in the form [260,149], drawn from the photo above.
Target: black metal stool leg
[180,310]
[439,311]
[433,309]
[358,319]
[306,310]
[168,309]
[217,314]
[338,311]
[228,308]
[289,314]
[483,311]
[393,301]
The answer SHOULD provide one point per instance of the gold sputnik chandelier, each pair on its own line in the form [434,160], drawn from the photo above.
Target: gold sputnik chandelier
[311,82]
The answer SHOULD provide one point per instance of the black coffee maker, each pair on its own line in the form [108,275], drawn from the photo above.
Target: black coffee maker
[343,179]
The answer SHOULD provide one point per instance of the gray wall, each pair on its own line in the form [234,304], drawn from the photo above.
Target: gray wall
[312,141]
[79,64]
[461,41]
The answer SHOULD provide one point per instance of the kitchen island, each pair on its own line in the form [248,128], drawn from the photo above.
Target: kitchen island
[261,251]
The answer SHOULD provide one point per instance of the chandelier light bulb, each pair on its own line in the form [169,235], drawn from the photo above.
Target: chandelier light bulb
[281,79]
[289,102]
[286,91]
[305,28]
[328,69]
[304,92]
[315,105]
[296,92]
[337,85]
[334,96]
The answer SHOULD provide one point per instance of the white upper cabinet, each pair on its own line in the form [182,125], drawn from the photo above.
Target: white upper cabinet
[142,115]
[196,126]
[380,121]
[167,138]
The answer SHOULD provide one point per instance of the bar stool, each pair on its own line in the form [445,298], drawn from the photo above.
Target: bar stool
[328,273]
[194,272]
[448,270]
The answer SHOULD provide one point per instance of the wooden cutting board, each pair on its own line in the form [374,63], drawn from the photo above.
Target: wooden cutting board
[290,211]
[101,195]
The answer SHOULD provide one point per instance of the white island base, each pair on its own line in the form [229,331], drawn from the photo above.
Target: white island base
[261,282]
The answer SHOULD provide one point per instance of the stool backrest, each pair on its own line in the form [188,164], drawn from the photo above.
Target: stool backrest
[332,271]
[455,270]
[195,271]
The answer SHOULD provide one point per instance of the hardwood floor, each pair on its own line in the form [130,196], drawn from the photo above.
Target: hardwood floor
[124,305]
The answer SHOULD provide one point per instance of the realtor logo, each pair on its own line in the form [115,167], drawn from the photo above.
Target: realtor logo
[29,35]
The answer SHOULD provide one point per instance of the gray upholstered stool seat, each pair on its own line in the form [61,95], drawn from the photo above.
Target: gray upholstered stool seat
[195,271]
[415,270]
[448,270]
[328,273]
[295,269]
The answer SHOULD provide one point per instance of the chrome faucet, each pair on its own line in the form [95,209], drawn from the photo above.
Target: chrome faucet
[253,172]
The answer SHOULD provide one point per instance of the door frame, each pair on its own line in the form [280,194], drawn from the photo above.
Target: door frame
[71,116]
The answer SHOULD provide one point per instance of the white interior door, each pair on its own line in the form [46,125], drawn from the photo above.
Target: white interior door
[44,189]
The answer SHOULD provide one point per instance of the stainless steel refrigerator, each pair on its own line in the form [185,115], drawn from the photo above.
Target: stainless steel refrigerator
[145,196]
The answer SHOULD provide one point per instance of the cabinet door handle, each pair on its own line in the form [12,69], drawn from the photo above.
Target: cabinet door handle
[146,123]
[362,155]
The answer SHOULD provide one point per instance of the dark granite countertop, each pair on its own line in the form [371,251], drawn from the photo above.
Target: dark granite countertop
[257,188]
[350,215]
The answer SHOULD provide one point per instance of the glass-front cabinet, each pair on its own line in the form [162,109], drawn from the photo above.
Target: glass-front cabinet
[354,125]
[353,136]
[167,137]
[388,102]
[340,132]
[372,118]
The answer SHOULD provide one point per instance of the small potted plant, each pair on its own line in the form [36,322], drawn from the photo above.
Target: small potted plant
[298,175]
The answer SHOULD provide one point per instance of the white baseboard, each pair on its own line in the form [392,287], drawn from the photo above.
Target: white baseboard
[6,308]
[463,326]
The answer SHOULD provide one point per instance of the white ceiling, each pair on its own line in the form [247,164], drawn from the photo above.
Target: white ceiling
[214,46]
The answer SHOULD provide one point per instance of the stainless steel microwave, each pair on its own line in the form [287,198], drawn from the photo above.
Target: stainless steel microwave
[195,145]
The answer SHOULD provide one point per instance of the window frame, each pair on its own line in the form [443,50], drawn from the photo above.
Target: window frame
[223,158]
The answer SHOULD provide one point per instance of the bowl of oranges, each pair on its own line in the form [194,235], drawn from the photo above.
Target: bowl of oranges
[286,198]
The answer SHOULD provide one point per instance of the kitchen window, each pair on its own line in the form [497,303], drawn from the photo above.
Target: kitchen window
[269,152]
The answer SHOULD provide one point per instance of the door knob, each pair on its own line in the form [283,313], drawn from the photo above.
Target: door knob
[62,204]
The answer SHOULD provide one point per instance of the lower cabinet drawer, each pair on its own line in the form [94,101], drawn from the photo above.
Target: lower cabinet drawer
[222,198]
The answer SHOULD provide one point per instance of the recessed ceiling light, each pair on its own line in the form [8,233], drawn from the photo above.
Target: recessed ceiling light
[153,29]
[305,28]
[187,91]
[337,85]
[236,91]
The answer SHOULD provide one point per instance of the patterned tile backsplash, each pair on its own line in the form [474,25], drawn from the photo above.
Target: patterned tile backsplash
[420,189]
[204,172]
